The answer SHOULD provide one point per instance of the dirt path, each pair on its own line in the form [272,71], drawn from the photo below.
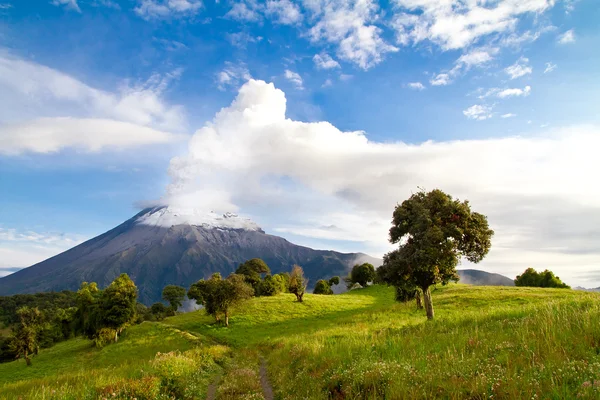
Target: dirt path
[211,393]
[264,380]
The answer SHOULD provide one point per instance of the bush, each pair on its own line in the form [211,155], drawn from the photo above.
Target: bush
[147,388]
[322,287]
[269,286]
[545,279]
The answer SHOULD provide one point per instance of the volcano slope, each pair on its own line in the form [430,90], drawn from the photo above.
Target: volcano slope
[486,342]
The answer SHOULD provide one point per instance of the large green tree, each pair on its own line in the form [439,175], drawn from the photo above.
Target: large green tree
[174,295]
[434,231]
[219,295]
[252,270]
[24,340]
[361,274]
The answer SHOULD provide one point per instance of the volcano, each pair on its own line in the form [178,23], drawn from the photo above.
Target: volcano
[164,245]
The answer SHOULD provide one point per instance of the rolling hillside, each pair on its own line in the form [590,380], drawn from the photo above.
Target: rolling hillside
[486,341]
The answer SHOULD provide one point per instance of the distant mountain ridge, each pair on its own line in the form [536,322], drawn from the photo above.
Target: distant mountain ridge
[161,246]
[482,278]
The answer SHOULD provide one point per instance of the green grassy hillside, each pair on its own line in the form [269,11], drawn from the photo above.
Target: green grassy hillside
[486,342]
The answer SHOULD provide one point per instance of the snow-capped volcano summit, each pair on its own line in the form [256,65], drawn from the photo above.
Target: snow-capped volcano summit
[168,216]
[166,245]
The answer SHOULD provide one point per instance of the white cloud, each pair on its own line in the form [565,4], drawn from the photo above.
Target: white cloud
[350,26]
[456,24]
[232,76]
[327,83]
[441,80]
[69,4]
[34,100]
[509,115]
[157,9]
[245,11]
[5,6]
[478,112]
[519,68]
[241,39]
[284,11]
[49,135]
[515,92]
[295,78]
[20,249]
[416,85]
[476,57]
[324,61]
[567,37]
[302,178]
[549,67]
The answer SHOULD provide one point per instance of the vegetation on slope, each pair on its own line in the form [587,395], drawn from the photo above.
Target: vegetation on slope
[499,342]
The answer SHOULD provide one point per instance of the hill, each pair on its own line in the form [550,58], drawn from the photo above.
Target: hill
[482,278]
[161,246]
[487,342]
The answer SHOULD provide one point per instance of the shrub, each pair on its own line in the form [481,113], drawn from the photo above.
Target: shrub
[269,286]
[322,287]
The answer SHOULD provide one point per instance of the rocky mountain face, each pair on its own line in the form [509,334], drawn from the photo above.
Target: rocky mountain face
[161,246]
[482,278]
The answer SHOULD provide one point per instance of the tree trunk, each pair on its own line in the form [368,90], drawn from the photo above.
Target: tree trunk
[299,296]
[116,335]
[27,359]
[226,319]
[428,303]
[419,300]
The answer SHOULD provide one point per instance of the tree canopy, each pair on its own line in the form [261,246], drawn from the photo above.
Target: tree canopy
[219,295]
[324,287]
[434,231]
[545,279]
[297,283]
[361,274]
[24,340]
[174,295]
[252,270]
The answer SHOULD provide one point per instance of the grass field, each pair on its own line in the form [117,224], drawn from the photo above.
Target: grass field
[486,342]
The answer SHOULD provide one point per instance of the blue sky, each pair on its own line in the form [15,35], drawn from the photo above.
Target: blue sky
[495,101]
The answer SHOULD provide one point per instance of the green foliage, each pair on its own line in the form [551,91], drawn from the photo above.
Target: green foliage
[24,339]
[174,295]
[118,304]
[545,279]
[434,231]
[252,270]
[219,295]
[335,280]
[297,284]
[322,287]
[361,274]
[270,286]
[283,279]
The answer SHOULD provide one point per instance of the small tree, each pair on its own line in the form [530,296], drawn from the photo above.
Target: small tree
[545,279]
[270,286]
[252,270]
[118,305]
[219,295]
[298,282]
[361,274]
[335,280]
[282,280]
[174,295]
[24,340]
[158,310]
[434,231]
[322,287]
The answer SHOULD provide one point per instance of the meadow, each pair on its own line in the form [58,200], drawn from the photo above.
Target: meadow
[486,342]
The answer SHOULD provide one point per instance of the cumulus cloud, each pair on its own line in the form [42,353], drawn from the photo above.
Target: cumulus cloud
[567,37]
[303,178]
[295,78]
[324,61]
[160,9]
[478,112]
[441,80]
[245,11]
[351,27]
[507,92]
[477,57]
[283,12]
[519,68]
[34,100]
[68,4]
[416,85]
[456,24]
